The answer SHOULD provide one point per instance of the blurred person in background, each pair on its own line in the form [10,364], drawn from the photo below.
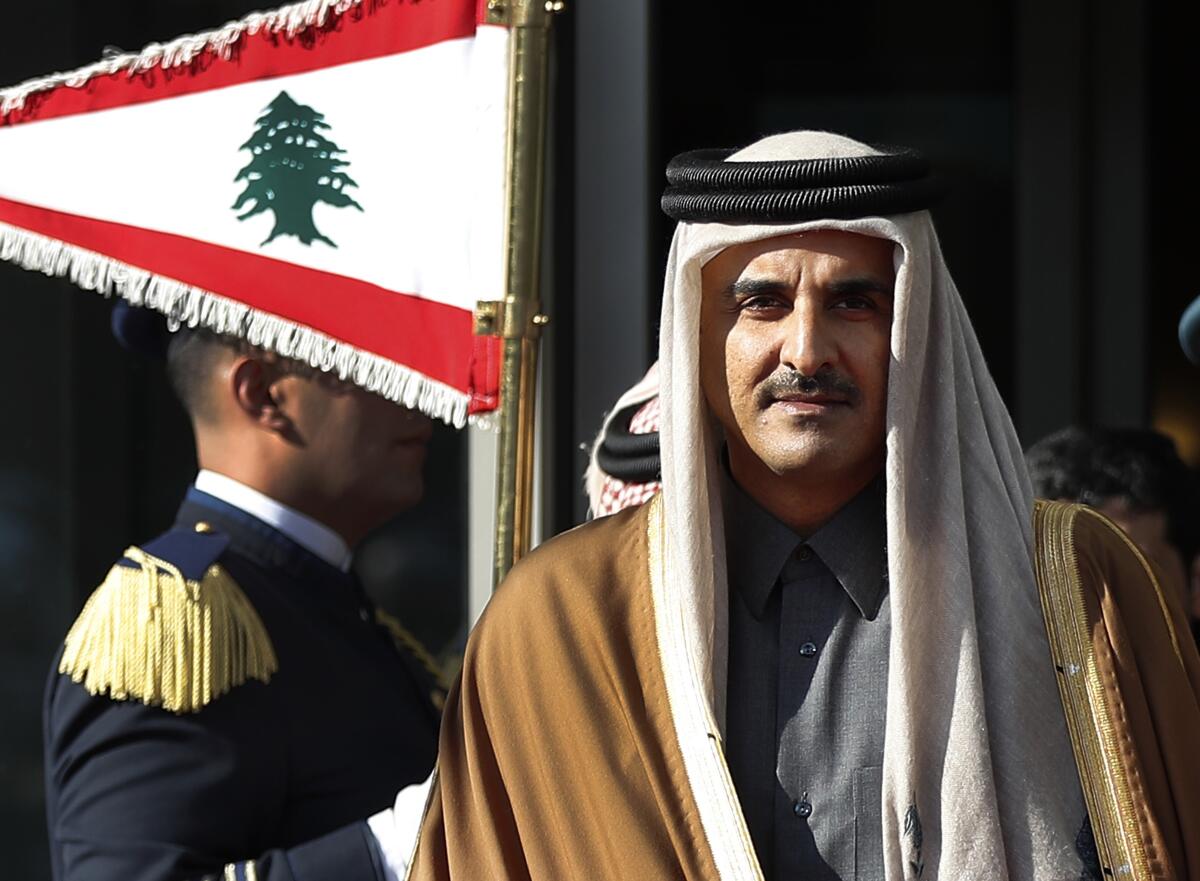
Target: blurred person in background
[1134,477]
[1189,341]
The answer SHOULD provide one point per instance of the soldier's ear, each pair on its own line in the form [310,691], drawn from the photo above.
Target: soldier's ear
[254,386]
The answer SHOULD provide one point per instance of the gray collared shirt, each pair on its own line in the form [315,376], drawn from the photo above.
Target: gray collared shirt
[807,693]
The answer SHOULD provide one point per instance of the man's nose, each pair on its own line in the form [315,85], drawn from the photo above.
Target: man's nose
[807,345]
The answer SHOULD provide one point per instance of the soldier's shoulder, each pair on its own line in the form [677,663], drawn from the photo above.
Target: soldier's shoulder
[169,627]
[191,550]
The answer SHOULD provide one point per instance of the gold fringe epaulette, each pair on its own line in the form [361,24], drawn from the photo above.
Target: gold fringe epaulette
[149,634]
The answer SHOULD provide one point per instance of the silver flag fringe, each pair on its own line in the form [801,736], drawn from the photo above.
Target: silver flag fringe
[188,306]
[287,21]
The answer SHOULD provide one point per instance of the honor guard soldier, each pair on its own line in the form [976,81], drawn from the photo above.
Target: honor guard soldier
[229,700]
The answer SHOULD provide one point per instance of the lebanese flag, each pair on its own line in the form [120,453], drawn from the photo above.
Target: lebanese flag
[326,181]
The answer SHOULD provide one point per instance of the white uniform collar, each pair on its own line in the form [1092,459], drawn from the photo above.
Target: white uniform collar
[303,530]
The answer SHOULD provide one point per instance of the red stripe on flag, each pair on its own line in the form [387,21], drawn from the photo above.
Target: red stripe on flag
[432,338]
[374,29]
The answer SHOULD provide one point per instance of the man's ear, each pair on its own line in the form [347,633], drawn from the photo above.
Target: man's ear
[254,390]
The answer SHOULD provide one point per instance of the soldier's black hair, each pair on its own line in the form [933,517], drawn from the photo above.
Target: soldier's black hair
[192,355]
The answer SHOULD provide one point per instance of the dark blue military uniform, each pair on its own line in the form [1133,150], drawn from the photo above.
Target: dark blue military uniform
[281,773]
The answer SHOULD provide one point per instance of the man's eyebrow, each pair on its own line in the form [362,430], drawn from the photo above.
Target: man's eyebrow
[749,287]
[861,284]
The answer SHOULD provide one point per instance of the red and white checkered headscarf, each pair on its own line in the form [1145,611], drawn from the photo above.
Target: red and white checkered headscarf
[608,494]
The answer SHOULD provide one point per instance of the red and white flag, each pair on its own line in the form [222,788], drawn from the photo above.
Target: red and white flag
[326,181]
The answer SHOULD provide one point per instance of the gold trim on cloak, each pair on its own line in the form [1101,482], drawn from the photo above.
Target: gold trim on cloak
[1088,713]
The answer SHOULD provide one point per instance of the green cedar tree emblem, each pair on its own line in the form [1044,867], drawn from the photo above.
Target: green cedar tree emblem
[292,168]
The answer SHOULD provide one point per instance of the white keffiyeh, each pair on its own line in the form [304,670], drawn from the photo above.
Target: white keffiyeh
[976,746]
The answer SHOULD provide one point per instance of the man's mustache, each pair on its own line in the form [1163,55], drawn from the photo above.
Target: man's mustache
[826,382]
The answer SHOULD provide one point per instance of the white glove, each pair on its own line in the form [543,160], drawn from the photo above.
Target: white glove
[395,829]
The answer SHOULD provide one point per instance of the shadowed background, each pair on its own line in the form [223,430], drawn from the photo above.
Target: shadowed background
[1060,127]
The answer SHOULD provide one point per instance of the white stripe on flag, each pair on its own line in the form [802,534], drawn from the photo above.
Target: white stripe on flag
[422,131]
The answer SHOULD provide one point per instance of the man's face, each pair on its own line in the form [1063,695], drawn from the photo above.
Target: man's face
[361,451]
[794,353]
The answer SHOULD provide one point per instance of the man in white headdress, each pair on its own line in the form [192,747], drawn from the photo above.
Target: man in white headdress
[819,651]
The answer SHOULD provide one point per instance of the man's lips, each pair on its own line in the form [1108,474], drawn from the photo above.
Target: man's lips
[827,391]
[815,401]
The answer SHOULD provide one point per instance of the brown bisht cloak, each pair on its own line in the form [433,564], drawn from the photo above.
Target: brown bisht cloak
[1130,680]
[558,757]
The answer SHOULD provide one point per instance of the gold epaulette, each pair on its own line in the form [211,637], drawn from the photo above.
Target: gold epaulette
[417,649]
[149,634]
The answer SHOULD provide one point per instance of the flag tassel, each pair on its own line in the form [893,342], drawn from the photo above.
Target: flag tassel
[188,306]
[287,21]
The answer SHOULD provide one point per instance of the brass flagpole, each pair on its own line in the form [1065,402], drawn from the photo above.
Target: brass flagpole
[517,318]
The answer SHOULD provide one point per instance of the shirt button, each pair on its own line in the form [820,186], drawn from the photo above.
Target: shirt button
[803,553]
[808,649]
[802,809]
